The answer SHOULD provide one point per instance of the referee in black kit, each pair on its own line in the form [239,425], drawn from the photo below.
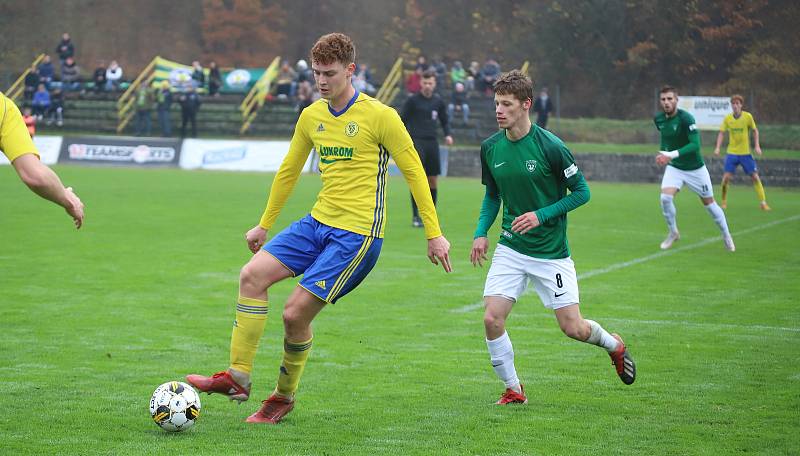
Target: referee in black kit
[420,113]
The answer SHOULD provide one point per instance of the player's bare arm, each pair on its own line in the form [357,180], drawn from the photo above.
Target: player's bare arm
[439,252]
[479,248]
[757,142]
[525,223]
[720,138]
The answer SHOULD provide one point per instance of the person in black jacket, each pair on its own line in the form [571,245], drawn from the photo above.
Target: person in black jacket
[65,49]
[190,104]
[420,113]
[543,106]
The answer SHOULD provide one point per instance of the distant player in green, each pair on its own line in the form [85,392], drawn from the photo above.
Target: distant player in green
[738,124]
[680,153]
[530,170]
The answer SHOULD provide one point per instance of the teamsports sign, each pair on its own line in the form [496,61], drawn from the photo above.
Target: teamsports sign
[708,112]
[121,151]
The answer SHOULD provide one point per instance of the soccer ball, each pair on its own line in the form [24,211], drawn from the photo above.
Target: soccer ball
[175,406]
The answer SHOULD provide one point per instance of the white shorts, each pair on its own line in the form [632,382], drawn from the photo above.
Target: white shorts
[554,280]
[698,180]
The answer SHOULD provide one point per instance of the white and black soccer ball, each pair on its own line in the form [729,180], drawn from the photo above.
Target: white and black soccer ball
[175,406]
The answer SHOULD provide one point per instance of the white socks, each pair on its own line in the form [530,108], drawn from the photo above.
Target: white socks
[502,355]
[601,337]
[719,217]
[668,209]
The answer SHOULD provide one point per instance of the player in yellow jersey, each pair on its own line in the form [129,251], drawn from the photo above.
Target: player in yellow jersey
[335,246]
[17,146]
[738,125]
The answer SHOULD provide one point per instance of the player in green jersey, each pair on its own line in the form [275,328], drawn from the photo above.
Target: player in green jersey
[680,153]
[530,170]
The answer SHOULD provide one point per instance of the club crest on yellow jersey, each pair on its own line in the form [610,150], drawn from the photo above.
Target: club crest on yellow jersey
[351,129]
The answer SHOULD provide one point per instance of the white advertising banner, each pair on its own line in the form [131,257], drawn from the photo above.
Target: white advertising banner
[232,155]
[708,112]
[48,147]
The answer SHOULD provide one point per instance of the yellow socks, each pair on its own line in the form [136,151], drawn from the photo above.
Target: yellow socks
[762,196]
[251,316]
[294,361]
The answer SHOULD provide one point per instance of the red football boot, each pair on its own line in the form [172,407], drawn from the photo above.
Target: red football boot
[512,397]
[221,383]
[623,362]
[272,410]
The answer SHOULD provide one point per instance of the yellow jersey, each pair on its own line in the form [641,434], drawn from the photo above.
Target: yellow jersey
[354,146]
[14,137]
[739,131]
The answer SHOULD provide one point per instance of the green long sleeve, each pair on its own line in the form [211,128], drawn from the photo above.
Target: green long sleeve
[489,209]
[578,196]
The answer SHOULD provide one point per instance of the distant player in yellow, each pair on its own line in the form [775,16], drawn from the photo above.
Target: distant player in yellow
[335,246]
[738,125]
[17,146]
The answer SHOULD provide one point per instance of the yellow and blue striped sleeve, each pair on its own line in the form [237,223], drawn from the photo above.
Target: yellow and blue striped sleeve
[15,140]
[395,138]
[288,173]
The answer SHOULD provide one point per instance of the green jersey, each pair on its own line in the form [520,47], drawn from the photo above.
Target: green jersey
[533,174]
[679,132]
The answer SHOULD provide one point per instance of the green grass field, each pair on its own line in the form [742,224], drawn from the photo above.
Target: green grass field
[92,321]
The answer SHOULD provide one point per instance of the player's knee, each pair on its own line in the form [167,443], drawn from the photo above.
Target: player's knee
[493,322]
[249,278]
[292,318]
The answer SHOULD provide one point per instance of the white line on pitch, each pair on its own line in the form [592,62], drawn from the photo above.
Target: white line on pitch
[625,264]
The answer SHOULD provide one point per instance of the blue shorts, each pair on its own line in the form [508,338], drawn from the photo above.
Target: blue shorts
[332,261]
[747,162]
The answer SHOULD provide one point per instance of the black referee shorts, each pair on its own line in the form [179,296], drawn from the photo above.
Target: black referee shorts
[428,150]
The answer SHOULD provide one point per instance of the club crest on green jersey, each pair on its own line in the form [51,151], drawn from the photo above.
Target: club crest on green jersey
[351,129]
[531,165]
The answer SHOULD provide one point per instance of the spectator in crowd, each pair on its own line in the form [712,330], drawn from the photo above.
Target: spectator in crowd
[56,111]
[99,76]
[65,49]
[365,73]
[144,104]
[361,85]
[305,93]
[440,68]
[190,105]
[303,72]
[214,79]
[473,74]
[30,121]
[32,80]
[414,80]
[458,102]
[46,71]
[163,104]
[489,74]
[113,76]
[543,106]
[458,74]
[286,76]
[422,64]
[198,75]
[41,102]
[70,75]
